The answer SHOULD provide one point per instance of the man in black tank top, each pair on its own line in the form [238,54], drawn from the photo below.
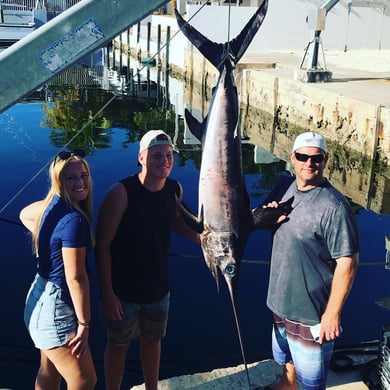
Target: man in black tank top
[133,238]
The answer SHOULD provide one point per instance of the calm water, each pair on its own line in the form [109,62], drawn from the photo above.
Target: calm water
[201,331]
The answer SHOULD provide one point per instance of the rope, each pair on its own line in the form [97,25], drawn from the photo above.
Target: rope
[176,254]
[11,222]
[265,262]
[229,21]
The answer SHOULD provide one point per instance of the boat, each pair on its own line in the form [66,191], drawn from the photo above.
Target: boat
[18,18]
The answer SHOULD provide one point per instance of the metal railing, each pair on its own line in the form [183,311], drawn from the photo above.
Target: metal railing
[29,5]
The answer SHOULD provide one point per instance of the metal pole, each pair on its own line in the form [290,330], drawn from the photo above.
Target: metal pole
[47,51]
[316,44]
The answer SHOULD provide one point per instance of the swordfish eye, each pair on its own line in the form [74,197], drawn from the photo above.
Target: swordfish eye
[230,269]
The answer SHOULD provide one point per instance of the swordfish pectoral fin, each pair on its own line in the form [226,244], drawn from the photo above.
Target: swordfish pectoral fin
[196,127]
[269,217]
[239,44]
[188,217]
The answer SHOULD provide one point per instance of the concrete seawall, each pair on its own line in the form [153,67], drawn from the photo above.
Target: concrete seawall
[358,120]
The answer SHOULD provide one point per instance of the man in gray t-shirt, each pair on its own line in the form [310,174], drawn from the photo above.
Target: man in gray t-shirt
[313,265]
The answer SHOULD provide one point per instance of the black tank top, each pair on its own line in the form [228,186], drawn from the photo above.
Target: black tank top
[141,245]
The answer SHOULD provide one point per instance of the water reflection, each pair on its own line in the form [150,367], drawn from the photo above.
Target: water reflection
[75,115]
[81,108]
[366,182]
[138,97]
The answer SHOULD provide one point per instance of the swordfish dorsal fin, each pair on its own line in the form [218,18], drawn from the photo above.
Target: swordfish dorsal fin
[196,127]
[228,53]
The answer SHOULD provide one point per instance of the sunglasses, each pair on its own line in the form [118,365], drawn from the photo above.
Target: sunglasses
[65,155]
[315,158]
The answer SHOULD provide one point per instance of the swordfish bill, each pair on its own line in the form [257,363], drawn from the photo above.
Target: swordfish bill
[224,213]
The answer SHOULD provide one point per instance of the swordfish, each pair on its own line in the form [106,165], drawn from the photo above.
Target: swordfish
[224,215]
[224,219]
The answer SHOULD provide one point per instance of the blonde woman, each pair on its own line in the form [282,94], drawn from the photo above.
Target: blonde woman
[57,312]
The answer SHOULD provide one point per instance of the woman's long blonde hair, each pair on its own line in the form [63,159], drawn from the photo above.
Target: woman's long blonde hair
[57,175]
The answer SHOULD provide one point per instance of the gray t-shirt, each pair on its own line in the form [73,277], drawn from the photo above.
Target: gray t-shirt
[321,228]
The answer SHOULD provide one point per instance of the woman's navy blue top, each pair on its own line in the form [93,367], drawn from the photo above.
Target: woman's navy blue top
[62,226]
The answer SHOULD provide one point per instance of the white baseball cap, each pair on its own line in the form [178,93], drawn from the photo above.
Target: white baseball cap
[153,138]
[309,139]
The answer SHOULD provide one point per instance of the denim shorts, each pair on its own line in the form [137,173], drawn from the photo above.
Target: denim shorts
[293,341]
[48,318]
[149,320]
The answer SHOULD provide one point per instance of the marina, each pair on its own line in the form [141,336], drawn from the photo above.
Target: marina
[31,131]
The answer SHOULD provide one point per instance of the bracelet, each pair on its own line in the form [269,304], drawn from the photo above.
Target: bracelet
[85,324]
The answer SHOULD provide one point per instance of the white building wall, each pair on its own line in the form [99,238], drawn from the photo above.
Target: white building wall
[284,28]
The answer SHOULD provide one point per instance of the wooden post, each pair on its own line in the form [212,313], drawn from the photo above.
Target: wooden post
[120,51]
[167,48]
[148,40]
[138,49]
[173,6]
[159,45]
[128,42]
[167,68]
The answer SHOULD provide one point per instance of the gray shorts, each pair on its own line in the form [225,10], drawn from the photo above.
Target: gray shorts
[149,320]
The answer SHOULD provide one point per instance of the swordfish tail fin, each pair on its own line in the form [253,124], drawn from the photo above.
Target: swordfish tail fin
[239,44]
[211,50]
[230,52]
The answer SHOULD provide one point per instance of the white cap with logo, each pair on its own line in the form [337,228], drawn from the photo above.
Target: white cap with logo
[153,138]
[309,139]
